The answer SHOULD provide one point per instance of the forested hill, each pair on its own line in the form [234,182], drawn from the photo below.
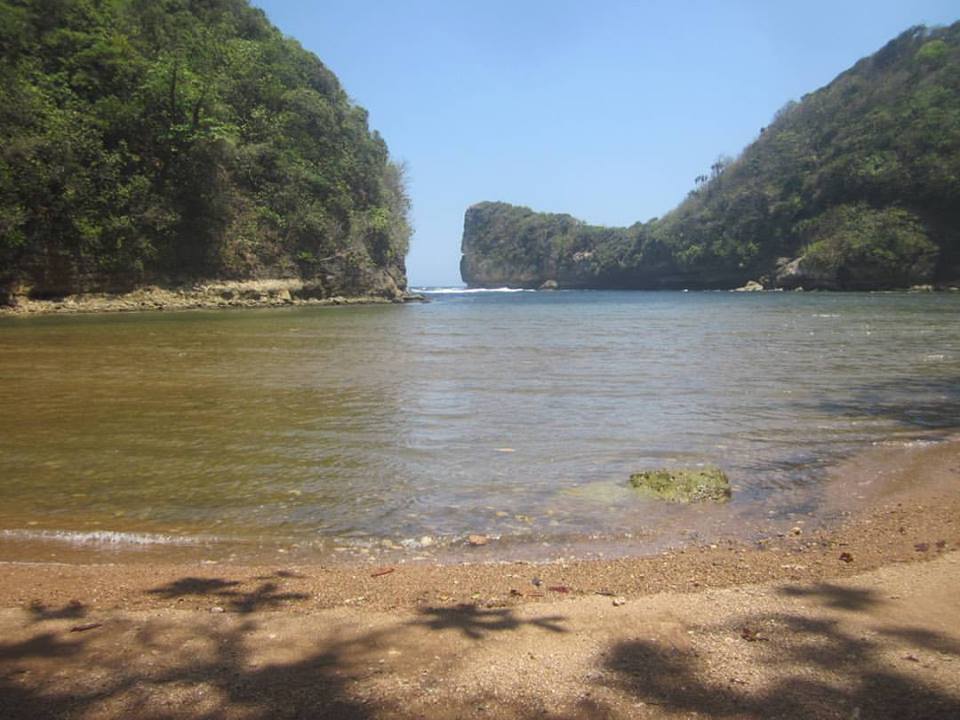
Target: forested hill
[160,141]
[855,186]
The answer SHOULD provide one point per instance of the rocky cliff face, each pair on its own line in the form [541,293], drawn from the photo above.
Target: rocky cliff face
[510,246]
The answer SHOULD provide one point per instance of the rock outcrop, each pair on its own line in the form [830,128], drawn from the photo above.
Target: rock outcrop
[215,294]
[684,485]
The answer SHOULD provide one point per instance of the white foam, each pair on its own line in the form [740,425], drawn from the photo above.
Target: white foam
[918,443]
[468,291]
[102,537]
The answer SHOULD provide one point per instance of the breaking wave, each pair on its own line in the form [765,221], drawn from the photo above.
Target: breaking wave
[466,291]
[103,537]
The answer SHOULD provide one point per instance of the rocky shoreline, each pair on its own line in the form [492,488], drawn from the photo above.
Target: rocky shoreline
[211,295]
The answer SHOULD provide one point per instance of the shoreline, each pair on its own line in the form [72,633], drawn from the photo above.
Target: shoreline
[887,518]
[857,621]
[209,295]
[847,486]
[274,293]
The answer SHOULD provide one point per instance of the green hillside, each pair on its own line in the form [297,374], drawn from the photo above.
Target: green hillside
[168,140]
[856,186]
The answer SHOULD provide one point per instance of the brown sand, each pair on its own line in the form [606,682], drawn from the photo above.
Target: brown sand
[861,621]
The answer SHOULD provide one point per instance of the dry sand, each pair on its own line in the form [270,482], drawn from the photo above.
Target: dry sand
[861,621]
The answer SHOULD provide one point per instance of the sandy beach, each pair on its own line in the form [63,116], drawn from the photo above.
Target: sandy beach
[856,621]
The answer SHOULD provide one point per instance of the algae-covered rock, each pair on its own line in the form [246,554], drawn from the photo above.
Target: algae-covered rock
[684,485]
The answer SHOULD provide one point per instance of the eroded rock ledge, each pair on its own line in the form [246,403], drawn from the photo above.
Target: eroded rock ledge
[213,294]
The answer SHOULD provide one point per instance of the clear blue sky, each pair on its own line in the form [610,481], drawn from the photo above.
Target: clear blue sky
[606,110]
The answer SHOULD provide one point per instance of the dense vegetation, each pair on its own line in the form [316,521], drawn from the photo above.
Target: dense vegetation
[168,140]
[856,186]
[506,244]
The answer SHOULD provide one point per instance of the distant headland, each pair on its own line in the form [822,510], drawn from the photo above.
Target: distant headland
[855,187]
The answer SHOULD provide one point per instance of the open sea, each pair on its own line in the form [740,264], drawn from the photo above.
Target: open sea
[318,433]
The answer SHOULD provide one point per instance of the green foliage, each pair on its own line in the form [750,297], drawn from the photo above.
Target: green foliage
[527,248]
[879,145]
[166,139]
[934,52]
[885,134]
[859,246]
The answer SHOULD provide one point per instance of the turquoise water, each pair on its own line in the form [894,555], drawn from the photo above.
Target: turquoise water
[517,415]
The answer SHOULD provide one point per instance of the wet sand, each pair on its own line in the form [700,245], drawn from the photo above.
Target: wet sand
[859,620]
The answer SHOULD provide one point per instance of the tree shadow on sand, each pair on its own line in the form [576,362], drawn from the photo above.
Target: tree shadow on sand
[818,667]
[169,665]
[199,685]
[73,610]
[475,622]
[264,596]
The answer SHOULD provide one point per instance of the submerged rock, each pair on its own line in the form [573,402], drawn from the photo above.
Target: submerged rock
[601,492]
[684,485]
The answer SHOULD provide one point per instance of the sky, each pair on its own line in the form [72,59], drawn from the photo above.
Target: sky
[606,110]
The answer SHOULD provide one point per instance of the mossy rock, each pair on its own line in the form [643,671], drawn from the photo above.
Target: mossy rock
[684,485]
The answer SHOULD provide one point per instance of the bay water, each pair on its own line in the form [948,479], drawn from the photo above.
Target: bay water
[329,432]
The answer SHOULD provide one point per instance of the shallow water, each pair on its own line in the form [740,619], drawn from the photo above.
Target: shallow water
[517,415]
